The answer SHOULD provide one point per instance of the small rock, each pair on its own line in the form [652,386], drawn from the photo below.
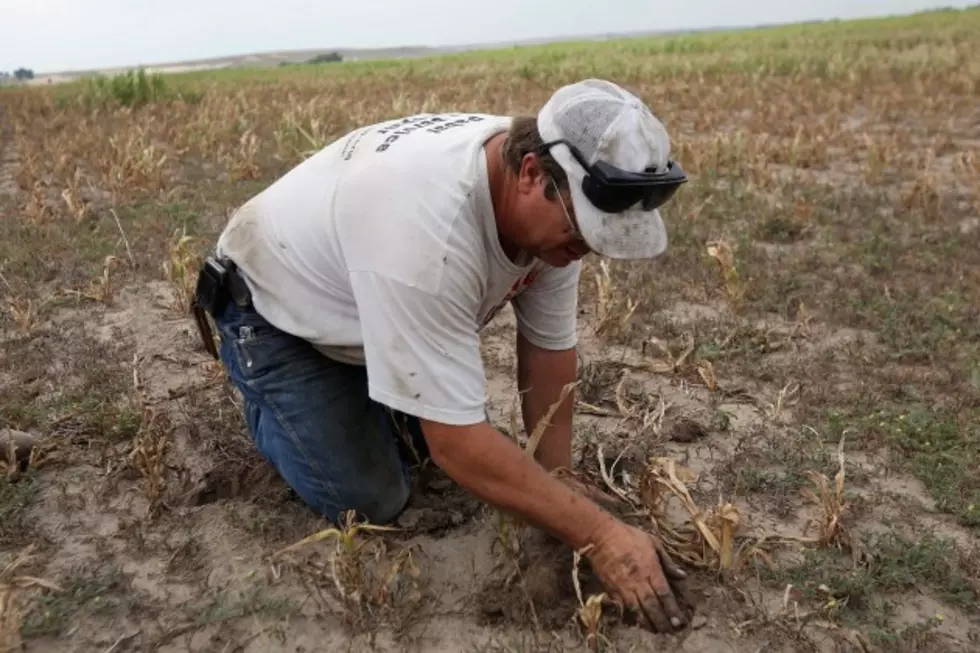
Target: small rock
[410,518]
[969,225]
[699,622]
[687,430]
[23,444]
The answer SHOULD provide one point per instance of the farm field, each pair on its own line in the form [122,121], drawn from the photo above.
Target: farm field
[791,394]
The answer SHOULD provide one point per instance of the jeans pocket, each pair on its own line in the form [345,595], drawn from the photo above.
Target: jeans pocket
[263,352]
[258,346]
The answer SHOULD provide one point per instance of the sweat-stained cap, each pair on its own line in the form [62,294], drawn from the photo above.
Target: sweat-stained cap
[610,126]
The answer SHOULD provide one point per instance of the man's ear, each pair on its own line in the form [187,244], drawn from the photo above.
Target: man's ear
[531,174]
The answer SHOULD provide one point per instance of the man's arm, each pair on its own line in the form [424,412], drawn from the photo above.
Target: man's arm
[632,564]
[495,469]
[541,376]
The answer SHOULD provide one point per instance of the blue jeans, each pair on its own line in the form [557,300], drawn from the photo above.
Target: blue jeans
[312,419]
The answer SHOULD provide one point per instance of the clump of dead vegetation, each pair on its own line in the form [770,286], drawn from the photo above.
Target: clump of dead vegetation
[150,446]
[15,581]
[370,580]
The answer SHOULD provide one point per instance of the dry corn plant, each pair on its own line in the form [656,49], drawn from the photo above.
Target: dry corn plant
[181,270]
[794,624]
[77,206]
[830,499]
[727,150]
[360,585]
[589,612]
[37,209]
[616,387]
[879,158]
[707,539]
[682,364]
[244,163]
[23,312]
[613,309]
[668,363]
[100,289]
[134,163]
[12,584]
[787,396]
[303,131]
[967,165]
[150,446]
[635,404]
[734,288]
[924,193]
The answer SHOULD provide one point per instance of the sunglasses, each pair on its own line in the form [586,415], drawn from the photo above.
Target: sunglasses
[615,190]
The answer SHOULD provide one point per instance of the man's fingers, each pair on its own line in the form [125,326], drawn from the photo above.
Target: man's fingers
[641,618]
[672,610]
[670,568]
[650,606]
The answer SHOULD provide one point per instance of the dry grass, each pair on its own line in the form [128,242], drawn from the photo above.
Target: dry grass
[369,580]
[830,498]
[149,448]
[14,582]
[181,270]
[732,283]
[614,307]
[589,613]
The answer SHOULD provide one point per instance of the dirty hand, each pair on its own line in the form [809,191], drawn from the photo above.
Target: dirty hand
[631,564]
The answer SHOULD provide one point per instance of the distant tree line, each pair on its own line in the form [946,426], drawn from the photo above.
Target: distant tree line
[326,57]
[21,75]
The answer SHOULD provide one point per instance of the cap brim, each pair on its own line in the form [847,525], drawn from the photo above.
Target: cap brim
[632,234]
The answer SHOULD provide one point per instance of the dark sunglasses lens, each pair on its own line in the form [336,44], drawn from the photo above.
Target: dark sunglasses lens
[611,200]
[623,199]
[659,196]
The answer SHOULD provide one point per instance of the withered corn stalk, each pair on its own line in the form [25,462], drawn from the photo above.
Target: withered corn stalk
[707,540]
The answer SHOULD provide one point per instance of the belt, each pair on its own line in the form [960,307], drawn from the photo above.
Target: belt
[237,287]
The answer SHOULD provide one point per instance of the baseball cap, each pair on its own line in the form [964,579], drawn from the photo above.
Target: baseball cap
[594,127]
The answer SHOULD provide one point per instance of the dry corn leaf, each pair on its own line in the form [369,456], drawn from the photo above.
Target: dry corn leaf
[545,422]
[664,478]
[707,372]
[722,252]
[831,501]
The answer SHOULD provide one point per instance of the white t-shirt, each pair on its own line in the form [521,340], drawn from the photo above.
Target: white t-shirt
[382,250]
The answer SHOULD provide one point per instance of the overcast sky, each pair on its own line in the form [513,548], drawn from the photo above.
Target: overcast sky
[54,35]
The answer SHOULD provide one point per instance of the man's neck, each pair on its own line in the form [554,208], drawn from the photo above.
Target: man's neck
[498,180]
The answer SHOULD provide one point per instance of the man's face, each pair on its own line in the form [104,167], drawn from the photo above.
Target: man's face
[550,232]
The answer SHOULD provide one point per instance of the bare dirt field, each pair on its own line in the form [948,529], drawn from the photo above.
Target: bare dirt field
[790,396]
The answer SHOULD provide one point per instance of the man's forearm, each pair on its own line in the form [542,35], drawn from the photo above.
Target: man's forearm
[491,466]
[541,375]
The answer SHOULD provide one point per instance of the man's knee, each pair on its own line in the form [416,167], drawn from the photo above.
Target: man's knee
[377,494]
[374,504]
[380,506]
